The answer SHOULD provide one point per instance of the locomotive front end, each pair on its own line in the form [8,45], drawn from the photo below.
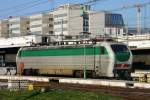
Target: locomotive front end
[123,61]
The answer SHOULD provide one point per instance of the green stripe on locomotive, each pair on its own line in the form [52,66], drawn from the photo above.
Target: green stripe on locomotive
[62,52]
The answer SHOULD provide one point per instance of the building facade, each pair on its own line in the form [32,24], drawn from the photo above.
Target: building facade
[41,24]
[73,19]
[105,24]
[132,30]
[4,28]
[68,20]
[19,26]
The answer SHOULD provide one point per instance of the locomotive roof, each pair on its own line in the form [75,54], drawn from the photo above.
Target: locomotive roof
[68,46]
[58,46]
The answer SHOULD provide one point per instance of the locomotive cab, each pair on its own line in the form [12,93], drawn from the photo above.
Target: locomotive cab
[122,62]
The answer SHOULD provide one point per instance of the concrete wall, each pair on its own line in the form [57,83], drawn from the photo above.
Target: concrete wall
[18,26]
[96,23]
[39,24]
[71,18]
[75,22]
[59,17]
[4,29]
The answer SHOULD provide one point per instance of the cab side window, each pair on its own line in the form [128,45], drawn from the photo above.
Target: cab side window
[102,49]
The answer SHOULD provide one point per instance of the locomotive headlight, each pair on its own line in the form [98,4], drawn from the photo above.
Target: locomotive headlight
[122,65]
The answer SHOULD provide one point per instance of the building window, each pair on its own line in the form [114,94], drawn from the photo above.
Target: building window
[34,26]
[65,21]
[27,22]
[85,29]
[35,19]
[51,19]
[113,20]
[28,28]
[64,29]
[60,22]
[60,15]
[50,25]
[10,31]
[60,29]
[57,23]
[85,23]
[15,28]
[15,23]
[50,32]
[118,31]
[36,32]
[110,31]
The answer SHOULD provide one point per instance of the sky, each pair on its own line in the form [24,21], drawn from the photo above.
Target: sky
[27,7]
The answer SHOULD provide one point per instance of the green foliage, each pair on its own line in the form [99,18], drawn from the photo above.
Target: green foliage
[54,95]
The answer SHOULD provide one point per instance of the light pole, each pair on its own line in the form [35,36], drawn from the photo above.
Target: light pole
[84,57]
[62,30]
[83,33]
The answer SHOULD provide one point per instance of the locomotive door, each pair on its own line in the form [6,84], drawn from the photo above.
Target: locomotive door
[98,62]
[102,61]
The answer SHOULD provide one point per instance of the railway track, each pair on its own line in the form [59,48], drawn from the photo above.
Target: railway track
[125,93]
[128,93]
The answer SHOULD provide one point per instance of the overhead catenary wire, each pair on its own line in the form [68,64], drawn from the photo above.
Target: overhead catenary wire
[138,6]
[131,6]
[42,11]
[24,8]
[27,6]
[92,1]
[18,5]
[72,17]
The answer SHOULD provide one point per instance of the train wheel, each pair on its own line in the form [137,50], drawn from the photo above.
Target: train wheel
[116,75]
[27,72]
[127,75]
[121,75]
[91,74]
[94,75]
[35,72]
[78,74]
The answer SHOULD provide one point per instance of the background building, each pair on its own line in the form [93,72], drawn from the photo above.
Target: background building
[4,28]
[41,24]
[68,20]
[73,19]
[105,24]
[134,30]
[19,26]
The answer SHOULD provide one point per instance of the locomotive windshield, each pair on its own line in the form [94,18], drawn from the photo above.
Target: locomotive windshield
[122,53]
[117,48]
